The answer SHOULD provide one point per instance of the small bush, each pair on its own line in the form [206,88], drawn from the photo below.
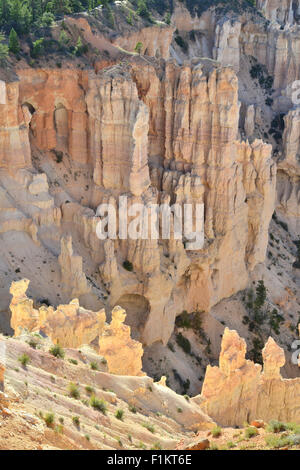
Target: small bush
[128,266]
[59,429]
[99,405]
[216,431]
[183,343]
[32,343]
[73,391]
[250,432]
[293,427]
[184,320]
[119,414]
[138,49]
[156,446]
[57,351]
[132,409]
[76,420]
[213,446]
[89,390]
[150,427]
[231,445]
[49,419]
[38,48]
[276,426]
[73,361]
[94,365]
[181,43]
[275,442]
[24,359]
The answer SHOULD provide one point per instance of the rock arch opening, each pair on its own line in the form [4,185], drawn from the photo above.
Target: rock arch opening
[28,111]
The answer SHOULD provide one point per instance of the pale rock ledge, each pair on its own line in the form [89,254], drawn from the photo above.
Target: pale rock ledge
[123,354]
[239,391]
[69,325]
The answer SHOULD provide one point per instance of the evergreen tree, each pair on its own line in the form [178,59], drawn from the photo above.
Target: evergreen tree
[13,42]
[261,294]
[37,10]
[61,7]
[3,50]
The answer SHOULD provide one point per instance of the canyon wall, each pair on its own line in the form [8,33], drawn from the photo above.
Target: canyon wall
[281,11]
[273,40]
[14,141]
[288,186]
[157,133]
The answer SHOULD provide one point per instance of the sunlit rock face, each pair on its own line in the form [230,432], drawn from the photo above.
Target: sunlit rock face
[123,355]
[15,150]
[240,390]
[69,325]
[159,134]
[288,179]
[281,11]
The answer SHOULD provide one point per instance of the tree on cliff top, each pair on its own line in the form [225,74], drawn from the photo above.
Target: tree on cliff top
[3,50]
[13,42]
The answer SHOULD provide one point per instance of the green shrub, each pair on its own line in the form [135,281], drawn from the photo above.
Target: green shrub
[216,431]
[184,320]
[38,48]
[57,351]
[99,405]
[250,432]
[150,427]
[94,365]
[76,420]
[13,42]
[183,343]
[119,414]
[156,446]
[276,426]
[73,361]
[24,359]
[90,390]
[49,419]
[80,48]
[132,409]
[277,442]
[231,445]
[47,19]
[3,50]
[33,343]
[181,43]
[73,391]
[128,265]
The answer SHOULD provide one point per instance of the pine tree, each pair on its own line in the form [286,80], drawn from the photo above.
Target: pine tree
[13,42]
[261,294]
[61,7]
[37,10]
[3,50]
